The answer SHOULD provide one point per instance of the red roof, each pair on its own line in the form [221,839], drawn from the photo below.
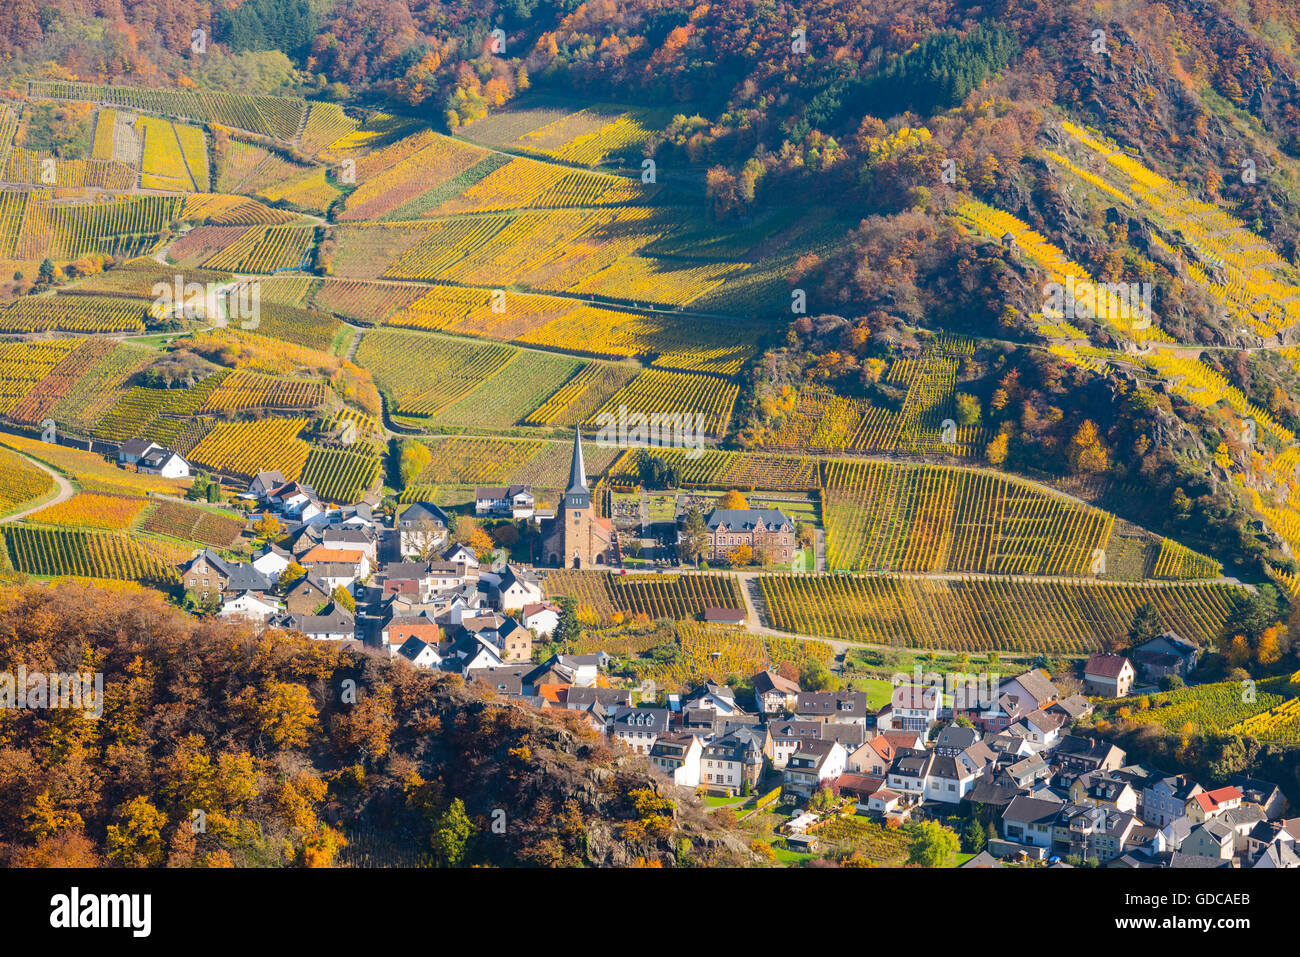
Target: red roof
[1209,800]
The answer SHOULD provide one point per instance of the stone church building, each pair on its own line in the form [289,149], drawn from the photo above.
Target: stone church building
[577,537]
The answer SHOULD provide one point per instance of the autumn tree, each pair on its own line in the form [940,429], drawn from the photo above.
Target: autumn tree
[1086,453]
[452,833]
[732,500]
[136,840]
[286,713]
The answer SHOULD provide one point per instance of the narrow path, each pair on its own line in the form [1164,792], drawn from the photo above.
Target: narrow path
[66,491]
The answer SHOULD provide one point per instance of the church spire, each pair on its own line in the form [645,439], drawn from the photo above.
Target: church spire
[577,470]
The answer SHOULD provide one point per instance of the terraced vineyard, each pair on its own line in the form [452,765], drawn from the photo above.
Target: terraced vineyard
[985,614]
[677,597]
[192,523]
[21,482]
[60,552]
[91,510]
[342,474]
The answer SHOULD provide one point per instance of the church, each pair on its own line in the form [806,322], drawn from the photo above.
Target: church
[577,537]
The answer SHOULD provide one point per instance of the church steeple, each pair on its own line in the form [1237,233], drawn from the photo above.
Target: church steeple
[577,495]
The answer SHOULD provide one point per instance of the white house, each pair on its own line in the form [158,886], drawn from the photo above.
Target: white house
[678,756]
[461,555]
[913,708]
[1042,729]
[1029,820]
[715,697]
[512,590]
[420,653]
[639,728]
[515,500]
[1110,676]
[422,529]
[133,450]
[541,617]
[271,561]
[249,605]
[815,762]
[164,462]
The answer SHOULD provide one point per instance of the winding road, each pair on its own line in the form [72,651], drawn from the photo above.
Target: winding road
[66,491]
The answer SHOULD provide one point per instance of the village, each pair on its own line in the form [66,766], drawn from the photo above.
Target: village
[1003,763]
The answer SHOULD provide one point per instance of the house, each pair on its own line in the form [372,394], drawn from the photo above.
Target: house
[724,616]
[1103,789]
[1165,798]
[422,530]
[874,757]
[735,760]
[578,699]
[1211,838]
[540,617]
[516,501]
[678,756]
[992,793]
[249,605]
[1029,820]
[164,462]
[715,697]
[420,653]
[264,483]
[270,560]
[298,501]
[954,739]
[242,576]
[1042,729]
[397,629]
[351,538]
[1166,654]
[1033,690]
[909,773]
[334,623]
[513,589]
[206,572]
[884,802]
[461,555]
[1075,755]
[774,694]
[471,652]
[815,762]
[914,708]
[787,736]
[1094,831]
[1265,794]
[639,728]
[133,450]
[1210,804]
[842,707]
[580,670]
[1278,855]
[515,642]
[357,561]
[860,787]
[766,531]
[949,779]
[306,595]
[1110,676]
[803,843]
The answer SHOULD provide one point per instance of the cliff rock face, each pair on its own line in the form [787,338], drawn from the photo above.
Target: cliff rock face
[301,753]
